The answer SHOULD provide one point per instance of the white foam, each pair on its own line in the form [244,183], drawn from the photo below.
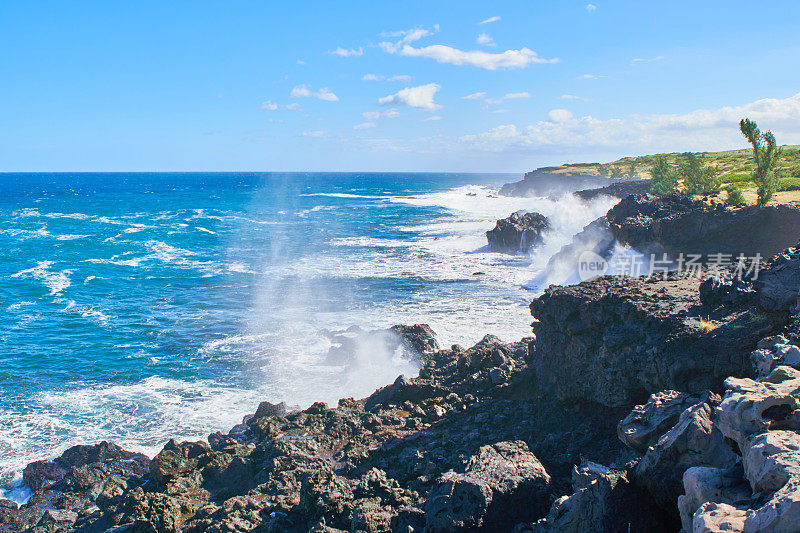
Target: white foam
[57,282]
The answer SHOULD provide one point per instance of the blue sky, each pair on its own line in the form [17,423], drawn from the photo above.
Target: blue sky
[415,86]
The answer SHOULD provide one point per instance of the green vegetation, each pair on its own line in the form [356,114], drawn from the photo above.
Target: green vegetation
[631,169]
[735,196]
[663,178]
[698,178]
[603,170]
[765,154]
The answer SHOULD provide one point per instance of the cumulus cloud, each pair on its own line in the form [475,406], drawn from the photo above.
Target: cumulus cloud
[400,77]
[303,91]
[485,38]
[347,52]
[269,106]
[509,59]
[370,77]
[293,107]
[364,126]
[490,19]
[701,129]
[475,96]
[420,97]
[591,7]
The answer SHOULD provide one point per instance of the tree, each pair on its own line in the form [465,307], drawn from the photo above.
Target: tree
[663,178]
[766,154]
[735,196]
[616,173]
[603,170]
[698,178]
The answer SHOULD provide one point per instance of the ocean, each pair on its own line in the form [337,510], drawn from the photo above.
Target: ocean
[137,307]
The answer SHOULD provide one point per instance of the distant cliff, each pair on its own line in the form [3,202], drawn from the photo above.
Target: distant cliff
[547,181]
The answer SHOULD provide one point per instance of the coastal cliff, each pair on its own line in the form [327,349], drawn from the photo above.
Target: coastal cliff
[637,404]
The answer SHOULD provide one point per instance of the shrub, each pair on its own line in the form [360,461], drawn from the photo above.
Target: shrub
[735,196]
[663,179]
[766,154]
[697,177]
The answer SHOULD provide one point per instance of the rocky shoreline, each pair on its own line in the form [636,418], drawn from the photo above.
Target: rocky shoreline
[637,404]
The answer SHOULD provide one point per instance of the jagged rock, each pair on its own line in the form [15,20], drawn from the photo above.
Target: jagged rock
[724,288]
[693,441]
[719,518]
[420,337]
[772,352]
[176,467]
[39,474]
[779,281]
[675,223]
[53,521]
[269,409]
[604,501]
[502,485]
[518,233]
[615,340]
[402,390]
[647,423]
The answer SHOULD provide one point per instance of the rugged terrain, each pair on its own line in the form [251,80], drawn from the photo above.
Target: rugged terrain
[637,404]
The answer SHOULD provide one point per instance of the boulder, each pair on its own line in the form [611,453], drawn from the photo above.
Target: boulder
[693,441]
[779,281]
[645,424]
[420,337]
[502,485]
[518,233]
[404,389]
[710,484]
[604,501]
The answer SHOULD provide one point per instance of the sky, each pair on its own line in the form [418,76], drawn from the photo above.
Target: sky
[467,86]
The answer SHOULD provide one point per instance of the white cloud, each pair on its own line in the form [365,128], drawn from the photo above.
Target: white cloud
[375,115]
[303,91]
[559,115]
[591,7]
[408,36]
[269,106]
[698,130]
[420,97]
[484,38]
[590,77]
[575,97]
[301,62]
[646,59]
[447,54]
[375,77]
[347,52]
[434,117]
[364,126]
[293,107]
[490,19]
[483,98]
[501,111]
[317,133]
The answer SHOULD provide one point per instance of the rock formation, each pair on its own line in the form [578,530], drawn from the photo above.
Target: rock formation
[550,181]
[518,233]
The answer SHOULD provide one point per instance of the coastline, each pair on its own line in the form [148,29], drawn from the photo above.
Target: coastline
[554,432]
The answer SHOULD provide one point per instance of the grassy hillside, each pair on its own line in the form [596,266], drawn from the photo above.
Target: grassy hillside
[734,166]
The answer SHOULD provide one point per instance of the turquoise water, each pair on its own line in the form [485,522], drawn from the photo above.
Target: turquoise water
[137,307]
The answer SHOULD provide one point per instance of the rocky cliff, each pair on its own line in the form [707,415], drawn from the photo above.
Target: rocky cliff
[518,233]
[549,181]
[617,414]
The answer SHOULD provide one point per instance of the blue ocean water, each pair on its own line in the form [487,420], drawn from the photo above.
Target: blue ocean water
[139,307]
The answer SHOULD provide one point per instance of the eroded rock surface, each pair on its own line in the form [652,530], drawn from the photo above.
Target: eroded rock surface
[519,232]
